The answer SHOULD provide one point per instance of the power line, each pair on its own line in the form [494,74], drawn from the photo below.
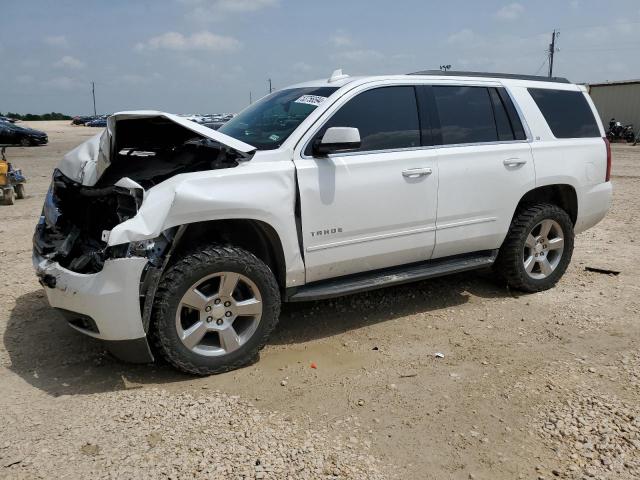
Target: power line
[541,66]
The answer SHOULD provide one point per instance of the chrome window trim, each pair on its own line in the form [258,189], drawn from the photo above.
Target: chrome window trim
[525,126]
[412,149]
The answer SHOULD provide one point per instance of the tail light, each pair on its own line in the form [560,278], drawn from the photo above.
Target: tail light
[608,145]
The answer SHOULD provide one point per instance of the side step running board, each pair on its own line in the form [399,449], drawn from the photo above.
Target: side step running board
[362,282]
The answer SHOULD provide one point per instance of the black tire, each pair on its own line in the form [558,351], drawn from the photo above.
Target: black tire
[510,262]
[25,142]
[182,275]
[8,197]
[20,191]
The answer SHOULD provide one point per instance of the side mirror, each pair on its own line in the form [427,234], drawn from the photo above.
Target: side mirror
[337,139]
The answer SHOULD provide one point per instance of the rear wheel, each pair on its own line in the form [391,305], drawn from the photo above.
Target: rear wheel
[538,248]
[215,309]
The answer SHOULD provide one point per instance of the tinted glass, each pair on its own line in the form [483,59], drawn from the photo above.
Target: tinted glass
[466,115]
[514,118]
[503,125]
[268,123]
[567,113]
[387,118]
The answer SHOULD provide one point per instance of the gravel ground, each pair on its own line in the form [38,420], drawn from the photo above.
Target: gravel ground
[529,384]
[155,434]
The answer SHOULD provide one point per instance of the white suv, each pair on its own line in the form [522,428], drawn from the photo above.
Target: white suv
[162,229]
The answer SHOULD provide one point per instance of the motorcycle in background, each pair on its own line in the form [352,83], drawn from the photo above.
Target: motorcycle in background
[618,131]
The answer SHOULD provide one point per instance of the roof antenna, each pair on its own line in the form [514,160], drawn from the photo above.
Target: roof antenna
[337,75]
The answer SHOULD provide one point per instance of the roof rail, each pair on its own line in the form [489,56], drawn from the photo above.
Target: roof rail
[514,76]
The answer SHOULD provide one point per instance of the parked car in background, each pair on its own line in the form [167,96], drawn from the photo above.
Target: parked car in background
[12,134]
[81,119]
[97,122]
[214,125]
[7,119]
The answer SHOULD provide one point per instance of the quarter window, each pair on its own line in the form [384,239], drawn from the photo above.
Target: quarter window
[567,113]
[386,117]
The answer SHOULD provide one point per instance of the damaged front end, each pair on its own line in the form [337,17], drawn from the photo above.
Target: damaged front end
[71,230]
[104,285]
[103,183]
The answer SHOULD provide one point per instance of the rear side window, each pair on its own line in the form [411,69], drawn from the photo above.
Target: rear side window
[567,113]
[387,118]
[466,114]
[503,124]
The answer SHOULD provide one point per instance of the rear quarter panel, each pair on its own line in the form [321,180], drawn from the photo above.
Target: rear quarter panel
[579,162]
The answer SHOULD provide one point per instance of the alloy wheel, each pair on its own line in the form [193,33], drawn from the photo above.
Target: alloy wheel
[543,249]
[218,314]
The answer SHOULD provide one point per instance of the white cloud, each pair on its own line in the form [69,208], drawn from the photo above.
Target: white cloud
[197,41]
[56,41]
[341,40]
[69,62]
[510,12]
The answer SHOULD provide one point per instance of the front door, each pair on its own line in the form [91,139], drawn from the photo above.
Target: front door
[375,207]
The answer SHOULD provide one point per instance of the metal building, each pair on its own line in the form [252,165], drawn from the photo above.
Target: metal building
[619,100]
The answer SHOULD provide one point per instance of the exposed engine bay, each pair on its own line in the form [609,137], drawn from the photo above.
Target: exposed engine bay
[143,153]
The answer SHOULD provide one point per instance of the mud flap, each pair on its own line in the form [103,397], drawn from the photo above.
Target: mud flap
[136,350]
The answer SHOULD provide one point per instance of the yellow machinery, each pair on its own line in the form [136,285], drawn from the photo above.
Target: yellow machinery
[11,181]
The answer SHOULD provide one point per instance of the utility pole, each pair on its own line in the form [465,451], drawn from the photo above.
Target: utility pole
[93,92]
[552,51]
[270,87]
[250,98]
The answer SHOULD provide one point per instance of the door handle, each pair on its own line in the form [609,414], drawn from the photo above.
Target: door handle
[513,162]
[416,172]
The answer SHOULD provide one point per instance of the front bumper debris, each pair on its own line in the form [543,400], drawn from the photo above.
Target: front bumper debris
[110,298]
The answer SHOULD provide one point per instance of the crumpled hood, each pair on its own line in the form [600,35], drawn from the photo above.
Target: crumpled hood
[87,162]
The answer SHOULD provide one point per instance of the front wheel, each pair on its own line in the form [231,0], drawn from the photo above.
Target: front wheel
[538,248]
[20,191]
[215,309]
[8,197]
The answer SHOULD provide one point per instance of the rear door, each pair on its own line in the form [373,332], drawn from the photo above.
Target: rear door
[485,166]
[375,207]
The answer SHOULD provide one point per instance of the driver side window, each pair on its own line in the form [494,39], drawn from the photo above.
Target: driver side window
[387,118]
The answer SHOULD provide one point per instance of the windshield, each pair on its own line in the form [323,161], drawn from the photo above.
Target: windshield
[268,123]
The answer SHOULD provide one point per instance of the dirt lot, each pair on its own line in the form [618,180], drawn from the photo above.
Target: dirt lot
[530,386]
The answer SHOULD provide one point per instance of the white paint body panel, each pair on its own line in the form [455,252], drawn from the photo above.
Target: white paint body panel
[478,195]
[375,217]
[254,190]
[110,297]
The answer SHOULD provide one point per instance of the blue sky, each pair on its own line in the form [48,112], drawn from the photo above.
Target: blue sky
[207,55]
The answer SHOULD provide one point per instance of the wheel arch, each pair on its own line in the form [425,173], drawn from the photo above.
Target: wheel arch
[255,236]
[562,195]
